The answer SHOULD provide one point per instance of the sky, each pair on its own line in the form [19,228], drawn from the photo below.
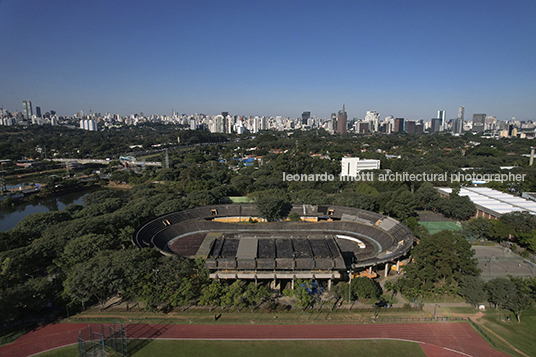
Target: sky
[403,58]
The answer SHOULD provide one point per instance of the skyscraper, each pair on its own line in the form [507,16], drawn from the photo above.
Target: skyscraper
[411,127]
[342,121]
[461,112]
[399,125]
[374,118]
[27,111]
[478,122]
[436,125]
[441,116]
[38,112]
[304,117]
[457,126]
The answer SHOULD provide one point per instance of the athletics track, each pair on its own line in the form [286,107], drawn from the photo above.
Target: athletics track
[436,339]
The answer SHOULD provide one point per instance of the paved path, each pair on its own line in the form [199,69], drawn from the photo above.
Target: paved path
[436,339]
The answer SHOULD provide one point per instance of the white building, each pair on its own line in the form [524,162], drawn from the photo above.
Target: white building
[351,166]
[373,118]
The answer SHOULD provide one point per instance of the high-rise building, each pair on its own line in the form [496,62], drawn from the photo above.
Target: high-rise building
[457,126]
[411,127]
[373,118]
[256,124]
[441,116]
[436,125]
[304,117]
[363,127]
[479,121]
[38,112]
[27,111]
[342,121]
[399,125]
[461,112]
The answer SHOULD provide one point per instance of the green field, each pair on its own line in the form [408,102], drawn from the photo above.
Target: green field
[240,199]
[163,348]
[435,227]
[521,335]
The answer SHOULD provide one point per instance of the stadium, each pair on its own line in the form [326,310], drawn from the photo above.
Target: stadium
[326,244]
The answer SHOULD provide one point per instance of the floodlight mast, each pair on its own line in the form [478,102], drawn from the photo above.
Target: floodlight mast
[350,289]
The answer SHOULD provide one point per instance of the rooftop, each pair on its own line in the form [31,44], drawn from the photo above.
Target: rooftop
[494,200]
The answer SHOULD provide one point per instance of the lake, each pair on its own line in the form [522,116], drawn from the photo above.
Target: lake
[9,217]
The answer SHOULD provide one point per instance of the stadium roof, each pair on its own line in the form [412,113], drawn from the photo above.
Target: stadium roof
[494,200]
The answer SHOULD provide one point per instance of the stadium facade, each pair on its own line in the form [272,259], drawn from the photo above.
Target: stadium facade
[327,244]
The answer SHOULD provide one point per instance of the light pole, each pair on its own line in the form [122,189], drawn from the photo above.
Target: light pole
[350,289]
[435,306]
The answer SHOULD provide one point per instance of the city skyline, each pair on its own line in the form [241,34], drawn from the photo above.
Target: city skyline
[271,59]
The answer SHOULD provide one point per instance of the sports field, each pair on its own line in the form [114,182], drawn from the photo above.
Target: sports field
[496,261]
[240,199]
[435,227]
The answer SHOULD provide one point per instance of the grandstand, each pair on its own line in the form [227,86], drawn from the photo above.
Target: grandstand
[326,244]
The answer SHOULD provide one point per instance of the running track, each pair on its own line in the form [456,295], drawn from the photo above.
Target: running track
[436,339]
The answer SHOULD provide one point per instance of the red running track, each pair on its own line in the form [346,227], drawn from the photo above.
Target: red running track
[436,339]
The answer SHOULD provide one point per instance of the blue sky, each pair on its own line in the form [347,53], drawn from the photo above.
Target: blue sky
[404,58]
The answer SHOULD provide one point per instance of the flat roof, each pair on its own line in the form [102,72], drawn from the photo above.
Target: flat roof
[493,200]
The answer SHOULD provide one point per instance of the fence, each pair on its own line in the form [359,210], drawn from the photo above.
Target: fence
[93,344]
[484,334]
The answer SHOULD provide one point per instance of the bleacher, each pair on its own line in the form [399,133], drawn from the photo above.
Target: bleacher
[382,236]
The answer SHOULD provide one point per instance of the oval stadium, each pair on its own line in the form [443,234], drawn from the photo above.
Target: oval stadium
[328,242]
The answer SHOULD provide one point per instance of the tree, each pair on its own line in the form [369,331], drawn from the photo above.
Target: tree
[234,295]
[522,222]
[242,183]
[460,207]
[256,294]
[473,289]
[500,290]
[303,293]
[391,287]
[523,298]
[402,205]
[272,208]
[95,279]
[479,228]
[427,196]
[440,259]
[211,294]
[365,288]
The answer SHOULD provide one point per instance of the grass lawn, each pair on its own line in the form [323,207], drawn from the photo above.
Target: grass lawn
[463,311]
[163,348]
[245,316]
[521,335]
[69,351]
[11,334]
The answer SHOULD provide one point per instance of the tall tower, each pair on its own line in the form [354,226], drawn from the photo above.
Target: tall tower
[441,117]
[479,121]
[27,109]
[461,112]
[342,121]
[374,118]
[305,116]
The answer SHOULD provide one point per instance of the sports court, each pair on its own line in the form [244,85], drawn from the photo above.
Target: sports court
[435,227]
[436,222]
[497,261]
